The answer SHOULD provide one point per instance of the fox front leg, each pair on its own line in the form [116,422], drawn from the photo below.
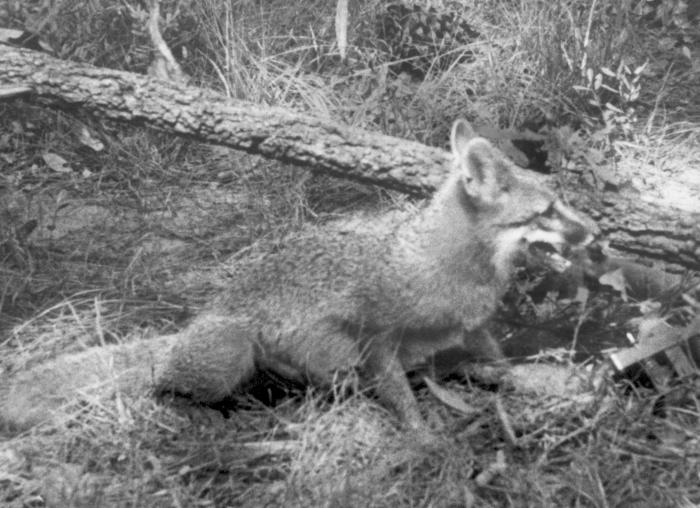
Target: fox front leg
[383,369]
[486,362]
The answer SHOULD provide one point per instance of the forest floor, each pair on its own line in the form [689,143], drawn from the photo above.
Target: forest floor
[122,241]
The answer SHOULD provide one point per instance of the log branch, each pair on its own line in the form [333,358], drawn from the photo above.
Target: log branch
[633,226]
[272,132]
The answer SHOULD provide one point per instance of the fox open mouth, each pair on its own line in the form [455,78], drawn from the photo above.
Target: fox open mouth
[550,255]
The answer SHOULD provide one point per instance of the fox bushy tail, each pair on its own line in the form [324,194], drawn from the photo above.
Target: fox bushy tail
[205,361]
[31,396]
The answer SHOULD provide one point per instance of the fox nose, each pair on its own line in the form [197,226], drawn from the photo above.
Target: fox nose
[578,234]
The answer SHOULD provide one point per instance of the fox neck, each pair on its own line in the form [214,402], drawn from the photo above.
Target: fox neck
[451,236]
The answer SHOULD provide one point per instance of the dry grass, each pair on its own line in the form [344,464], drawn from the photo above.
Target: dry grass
[128,244]
[604,448]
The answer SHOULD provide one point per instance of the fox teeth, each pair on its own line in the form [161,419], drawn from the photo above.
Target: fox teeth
[557,262]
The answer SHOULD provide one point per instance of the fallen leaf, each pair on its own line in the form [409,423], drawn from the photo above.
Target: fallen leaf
[616,280]
[56,163]
[449,398]
[87,139]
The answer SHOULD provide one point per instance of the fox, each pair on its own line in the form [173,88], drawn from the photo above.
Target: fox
[379,293]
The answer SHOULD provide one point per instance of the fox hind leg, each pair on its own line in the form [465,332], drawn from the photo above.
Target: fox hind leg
[212,358]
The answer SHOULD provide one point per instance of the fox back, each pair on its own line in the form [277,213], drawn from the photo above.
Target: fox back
[381,293]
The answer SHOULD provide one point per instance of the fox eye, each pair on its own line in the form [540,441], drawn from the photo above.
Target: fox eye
[549,211]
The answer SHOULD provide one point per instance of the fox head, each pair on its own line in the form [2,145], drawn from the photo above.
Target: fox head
[512,214]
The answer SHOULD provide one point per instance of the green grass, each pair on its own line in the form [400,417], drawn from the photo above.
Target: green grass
[130,242]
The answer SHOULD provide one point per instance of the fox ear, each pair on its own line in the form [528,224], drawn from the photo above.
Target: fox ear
[462,133]
[479,163]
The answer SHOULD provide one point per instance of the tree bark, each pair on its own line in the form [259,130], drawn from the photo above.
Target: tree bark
[648,230]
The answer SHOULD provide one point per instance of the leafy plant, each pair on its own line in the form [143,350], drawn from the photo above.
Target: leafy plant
[613,95]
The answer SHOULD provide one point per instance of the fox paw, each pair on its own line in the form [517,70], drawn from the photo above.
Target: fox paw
[490,374]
